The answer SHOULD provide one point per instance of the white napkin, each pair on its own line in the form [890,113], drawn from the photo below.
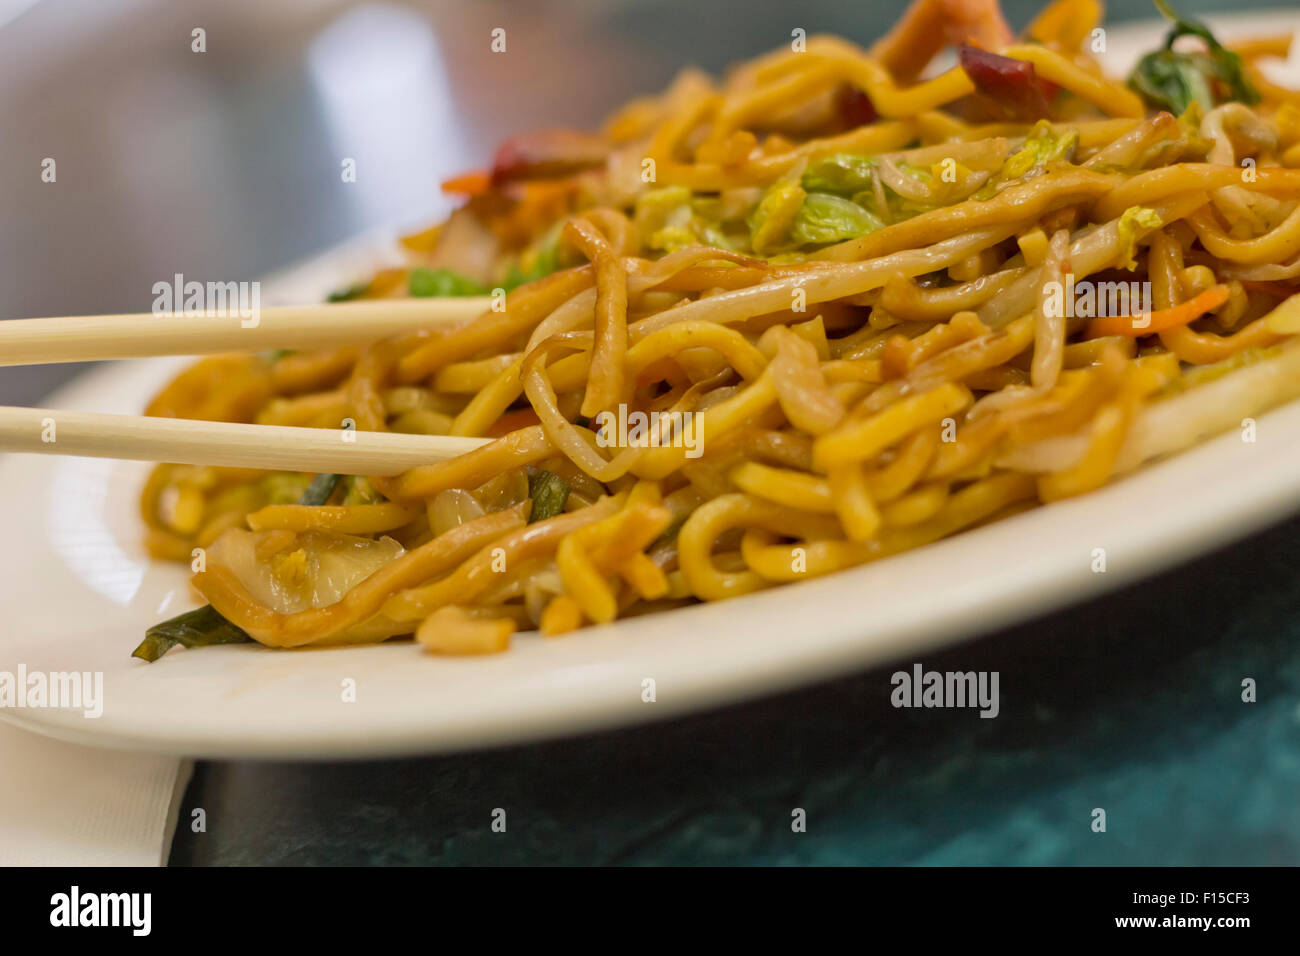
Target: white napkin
[64,804]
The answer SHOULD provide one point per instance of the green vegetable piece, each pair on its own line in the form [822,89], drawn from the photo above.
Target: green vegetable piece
[660,208]
[202,627]
[362,492]
[354,291]
[319,491]
[825,218]
[284,489]
[426,283]
[772,219]
[1134,223]
[673,239]
[1041,146]
[538,262]
[549,493]
[843,174]
[1173,80]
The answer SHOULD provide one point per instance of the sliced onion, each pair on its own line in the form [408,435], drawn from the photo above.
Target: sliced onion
[901,183]
[316,572]
[451,509]
[506,489]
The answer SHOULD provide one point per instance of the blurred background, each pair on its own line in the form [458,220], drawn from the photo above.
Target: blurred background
[226,164]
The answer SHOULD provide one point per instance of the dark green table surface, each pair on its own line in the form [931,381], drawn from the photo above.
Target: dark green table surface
[1131,704]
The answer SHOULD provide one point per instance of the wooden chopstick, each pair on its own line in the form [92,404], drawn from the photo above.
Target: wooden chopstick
[192,442]
[88,338]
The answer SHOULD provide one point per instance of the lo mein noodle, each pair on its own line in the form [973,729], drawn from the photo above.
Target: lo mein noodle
[833,307]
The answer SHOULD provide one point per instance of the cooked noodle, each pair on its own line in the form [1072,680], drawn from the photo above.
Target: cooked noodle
[827,309]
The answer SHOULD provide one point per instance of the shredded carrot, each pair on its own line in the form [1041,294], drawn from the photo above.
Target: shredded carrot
[1136,326]
[474,183]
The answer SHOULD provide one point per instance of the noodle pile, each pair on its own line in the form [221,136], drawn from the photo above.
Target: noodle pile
[856,291]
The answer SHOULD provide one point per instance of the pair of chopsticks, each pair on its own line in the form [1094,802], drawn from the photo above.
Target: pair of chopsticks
[190,442]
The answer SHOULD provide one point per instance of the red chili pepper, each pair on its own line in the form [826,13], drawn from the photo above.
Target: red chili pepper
[547,153]
[1012,86]
[854,107]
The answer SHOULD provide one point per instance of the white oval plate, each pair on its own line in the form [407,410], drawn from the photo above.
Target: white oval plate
[77,592]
